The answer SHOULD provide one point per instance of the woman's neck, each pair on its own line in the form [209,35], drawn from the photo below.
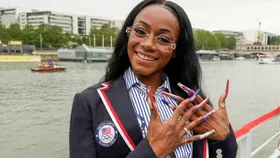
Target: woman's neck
[154,80]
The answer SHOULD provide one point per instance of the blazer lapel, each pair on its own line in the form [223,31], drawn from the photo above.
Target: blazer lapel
[119,99]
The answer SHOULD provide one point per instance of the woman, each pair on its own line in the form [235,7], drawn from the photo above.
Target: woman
[133,113]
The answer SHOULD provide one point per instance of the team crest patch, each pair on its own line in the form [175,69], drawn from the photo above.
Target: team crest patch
[106,133]
[141,122]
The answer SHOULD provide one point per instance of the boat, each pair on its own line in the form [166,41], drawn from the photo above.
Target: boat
[240,58]
[206,55]
[216,58]
[48,68]
[268,59]
[85,54]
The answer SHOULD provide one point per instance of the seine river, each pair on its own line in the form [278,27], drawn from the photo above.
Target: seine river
[35,107]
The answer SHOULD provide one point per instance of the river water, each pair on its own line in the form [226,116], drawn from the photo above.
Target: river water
[35,107]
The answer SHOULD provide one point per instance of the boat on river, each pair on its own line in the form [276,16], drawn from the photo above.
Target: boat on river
[268,59]
[48,68]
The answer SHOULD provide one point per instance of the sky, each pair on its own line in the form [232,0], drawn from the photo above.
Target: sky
[234,15]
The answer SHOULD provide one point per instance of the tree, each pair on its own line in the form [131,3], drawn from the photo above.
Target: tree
[223,40]
[28,34]
[205,40]
[257,43]
[275,40]
[4,34]
[52,36]
[15,32]
[231,43]
[105,31]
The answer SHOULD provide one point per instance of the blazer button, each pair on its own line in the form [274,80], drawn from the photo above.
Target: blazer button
[219,151]
[219,156]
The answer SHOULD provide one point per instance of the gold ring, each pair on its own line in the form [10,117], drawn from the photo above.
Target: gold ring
[223,105]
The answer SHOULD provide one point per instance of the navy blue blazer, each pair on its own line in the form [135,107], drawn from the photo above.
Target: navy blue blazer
[93,135]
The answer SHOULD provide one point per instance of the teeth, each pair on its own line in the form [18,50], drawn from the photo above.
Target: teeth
[145,57]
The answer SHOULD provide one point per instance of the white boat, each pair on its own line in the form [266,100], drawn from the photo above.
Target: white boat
[240,58]
[268,59]
[216,58]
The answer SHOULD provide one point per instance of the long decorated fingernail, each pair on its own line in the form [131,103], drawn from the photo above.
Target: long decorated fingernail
[168,104]
[227,88]
[206,134]
[186,89]
[194,95]
[199,106]
[206,116]
[172,96]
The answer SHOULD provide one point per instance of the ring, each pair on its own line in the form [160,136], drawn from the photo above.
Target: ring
[187,131]
[222,105]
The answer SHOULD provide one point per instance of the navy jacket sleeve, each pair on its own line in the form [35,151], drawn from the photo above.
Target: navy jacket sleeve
[82,139]
[143,149]
[81,142]
[227,148]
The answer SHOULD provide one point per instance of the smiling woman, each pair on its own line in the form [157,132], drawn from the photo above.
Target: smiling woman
[151,42]
[132,112]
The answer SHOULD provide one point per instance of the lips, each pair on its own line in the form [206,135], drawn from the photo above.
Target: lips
[145,57]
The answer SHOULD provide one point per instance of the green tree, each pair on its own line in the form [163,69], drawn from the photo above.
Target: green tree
[257,43]
[105,31]
[275,40]
[205,40]
[223,40]
[78,39]
[52,36]
[15,32]
[4,34]
[28,35]
[231,43]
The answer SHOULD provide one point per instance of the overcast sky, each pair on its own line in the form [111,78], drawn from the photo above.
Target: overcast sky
[235,15]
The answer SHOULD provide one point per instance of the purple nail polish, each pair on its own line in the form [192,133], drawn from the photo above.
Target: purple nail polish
[206,116]
[165,102]
[194,95]
[168,104]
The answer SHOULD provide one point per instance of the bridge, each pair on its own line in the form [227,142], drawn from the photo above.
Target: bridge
[257,49]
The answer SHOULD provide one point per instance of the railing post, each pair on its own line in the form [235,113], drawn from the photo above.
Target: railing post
[245,146]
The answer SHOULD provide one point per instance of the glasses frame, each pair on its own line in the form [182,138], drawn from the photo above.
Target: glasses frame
[129,29]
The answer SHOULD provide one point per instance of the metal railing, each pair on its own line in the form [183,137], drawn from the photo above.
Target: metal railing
[244,137]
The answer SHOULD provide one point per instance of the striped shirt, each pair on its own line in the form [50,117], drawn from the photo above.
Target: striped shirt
[138,95]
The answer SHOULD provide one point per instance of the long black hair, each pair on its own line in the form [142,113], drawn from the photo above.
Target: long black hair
[184,68]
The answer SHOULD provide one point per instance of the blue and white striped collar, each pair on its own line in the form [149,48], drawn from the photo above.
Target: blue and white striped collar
[131,80]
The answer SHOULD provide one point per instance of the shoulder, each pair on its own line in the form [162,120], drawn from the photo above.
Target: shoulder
[88,96]
[91,94]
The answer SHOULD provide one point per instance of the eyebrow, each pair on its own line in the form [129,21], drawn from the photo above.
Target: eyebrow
[161,29]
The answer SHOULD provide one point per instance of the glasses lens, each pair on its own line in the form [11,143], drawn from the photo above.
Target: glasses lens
[165,46]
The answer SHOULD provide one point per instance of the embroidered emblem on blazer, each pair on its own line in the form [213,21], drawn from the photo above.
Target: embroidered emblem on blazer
[106,134]
[141,122]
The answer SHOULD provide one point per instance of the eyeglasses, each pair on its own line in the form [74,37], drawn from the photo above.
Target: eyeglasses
[162,42]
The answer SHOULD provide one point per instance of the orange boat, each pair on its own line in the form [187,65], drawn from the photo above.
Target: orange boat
[48,69]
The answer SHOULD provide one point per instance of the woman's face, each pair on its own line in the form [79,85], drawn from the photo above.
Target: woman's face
[151,42]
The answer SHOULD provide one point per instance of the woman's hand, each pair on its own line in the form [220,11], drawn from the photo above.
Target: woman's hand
[218,121]
[165,138]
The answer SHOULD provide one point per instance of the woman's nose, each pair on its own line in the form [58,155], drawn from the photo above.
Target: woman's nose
[148,43]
